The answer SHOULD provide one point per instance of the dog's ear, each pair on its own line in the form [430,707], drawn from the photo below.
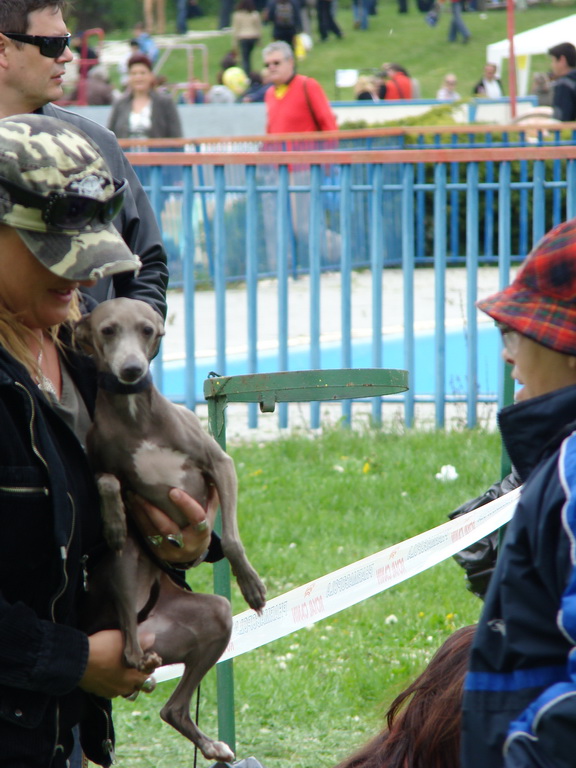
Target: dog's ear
[82,335]
[160,331]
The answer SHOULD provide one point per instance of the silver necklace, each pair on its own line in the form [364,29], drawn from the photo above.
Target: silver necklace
[44,383]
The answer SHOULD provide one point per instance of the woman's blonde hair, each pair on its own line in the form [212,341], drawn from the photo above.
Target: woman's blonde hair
[15,336]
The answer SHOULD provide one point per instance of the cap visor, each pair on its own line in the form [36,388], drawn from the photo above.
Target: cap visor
[87,255]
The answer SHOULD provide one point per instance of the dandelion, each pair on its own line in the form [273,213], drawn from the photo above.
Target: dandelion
[421,614]
[450,616]
[366,468]
[256,472]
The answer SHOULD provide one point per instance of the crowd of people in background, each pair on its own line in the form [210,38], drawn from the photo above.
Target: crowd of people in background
[290,21]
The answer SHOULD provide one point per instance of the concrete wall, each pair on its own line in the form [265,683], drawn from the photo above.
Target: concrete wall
[205,120]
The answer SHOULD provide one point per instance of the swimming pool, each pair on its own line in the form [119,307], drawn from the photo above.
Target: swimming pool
[422,378]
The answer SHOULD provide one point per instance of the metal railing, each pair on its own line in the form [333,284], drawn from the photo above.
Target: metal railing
[247,215]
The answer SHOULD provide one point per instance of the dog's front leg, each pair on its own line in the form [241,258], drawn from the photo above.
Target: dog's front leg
[250,583]
[112,510]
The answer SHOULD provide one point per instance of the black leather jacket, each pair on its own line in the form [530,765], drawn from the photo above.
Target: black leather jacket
[49,534]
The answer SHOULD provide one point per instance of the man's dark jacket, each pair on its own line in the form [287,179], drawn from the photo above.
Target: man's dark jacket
[136,222]
[564,97]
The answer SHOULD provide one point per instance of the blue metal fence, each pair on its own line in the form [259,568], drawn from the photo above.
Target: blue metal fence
[246,216]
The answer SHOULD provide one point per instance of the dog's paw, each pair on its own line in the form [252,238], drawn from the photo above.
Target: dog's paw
[218,750]
[149,662]
[254,592]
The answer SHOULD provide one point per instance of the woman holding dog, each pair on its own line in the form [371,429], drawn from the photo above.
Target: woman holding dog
[57,201]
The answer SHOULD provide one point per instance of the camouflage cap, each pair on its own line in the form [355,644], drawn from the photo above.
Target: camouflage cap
[42,155]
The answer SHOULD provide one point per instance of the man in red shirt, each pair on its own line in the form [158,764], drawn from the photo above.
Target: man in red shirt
[295,103]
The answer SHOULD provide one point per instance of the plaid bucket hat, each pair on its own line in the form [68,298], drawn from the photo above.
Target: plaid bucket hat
[541,301]
[57,191]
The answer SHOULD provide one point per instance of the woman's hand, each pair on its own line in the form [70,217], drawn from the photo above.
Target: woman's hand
[164,535]
[106,673]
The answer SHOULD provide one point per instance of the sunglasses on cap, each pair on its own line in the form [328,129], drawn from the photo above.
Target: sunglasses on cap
[67,210]
[52,47]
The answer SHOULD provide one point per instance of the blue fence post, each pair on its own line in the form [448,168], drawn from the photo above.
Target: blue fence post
[220,267]
[440,291]
[408,274]
[472,194]
[283,231]
[538,201]
[377,267]
[252,281]
[346,279]
[315,285]
[156,203]
[504,251]
[188,248]
[570,189]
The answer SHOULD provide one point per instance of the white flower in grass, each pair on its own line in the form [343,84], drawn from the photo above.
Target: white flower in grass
[392,619]
[447,473]
[338,468]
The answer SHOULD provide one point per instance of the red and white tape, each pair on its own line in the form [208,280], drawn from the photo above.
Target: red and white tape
[347,586]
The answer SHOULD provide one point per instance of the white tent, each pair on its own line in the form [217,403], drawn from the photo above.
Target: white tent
[532,42]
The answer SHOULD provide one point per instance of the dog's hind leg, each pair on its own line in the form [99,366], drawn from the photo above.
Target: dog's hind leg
[194,629]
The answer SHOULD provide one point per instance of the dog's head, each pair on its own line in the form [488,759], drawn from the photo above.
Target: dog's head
[122,335]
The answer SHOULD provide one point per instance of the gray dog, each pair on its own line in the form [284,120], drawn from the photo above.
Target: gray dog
[141,442]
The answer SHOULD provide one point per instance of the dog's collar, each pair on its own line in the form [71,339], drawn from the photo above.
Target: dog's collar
[109,383]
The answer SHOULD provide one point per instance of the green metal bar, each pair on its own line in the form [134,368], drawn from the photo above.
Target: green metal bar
[224,670]
[267,389]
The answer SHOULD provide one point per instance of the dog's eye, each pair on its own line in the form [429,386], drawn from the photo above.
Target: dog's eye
[147,330]
[108,330]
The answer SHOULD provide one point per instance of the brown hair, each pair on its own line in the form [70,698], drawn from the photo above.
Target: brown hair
[139,58]
[423,722]
[14,13]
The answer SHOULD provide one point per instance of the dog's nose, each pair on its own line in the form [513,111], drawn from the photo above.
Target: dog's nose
[132,370]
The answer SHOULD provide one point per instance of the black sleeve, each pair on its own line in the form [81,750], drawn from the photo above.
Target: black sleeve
[479,559]
[136,223]
[564,101]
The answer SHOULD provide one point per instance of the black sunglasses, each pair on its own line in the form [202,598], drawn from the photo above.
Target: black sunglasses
[67,210]
[52,47]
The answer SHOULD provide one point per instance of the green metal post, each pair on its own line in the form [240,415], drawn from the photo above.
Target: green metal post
[224,670]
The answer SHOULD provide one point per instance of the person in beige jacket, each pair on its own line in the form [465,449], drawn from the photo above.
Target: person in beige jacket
[246,30]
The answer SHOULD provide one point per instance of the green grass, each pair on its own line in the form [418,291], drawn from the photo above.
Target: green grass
[403,38]
[306,700]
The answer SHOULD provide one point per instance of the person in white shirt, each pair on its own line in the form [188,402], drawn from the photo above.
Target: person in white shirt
[489,85]
[448,90]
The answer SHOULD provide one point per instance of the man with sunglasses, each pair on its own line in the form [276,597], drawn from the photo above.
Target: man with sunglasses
[296,103]
[34,52]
